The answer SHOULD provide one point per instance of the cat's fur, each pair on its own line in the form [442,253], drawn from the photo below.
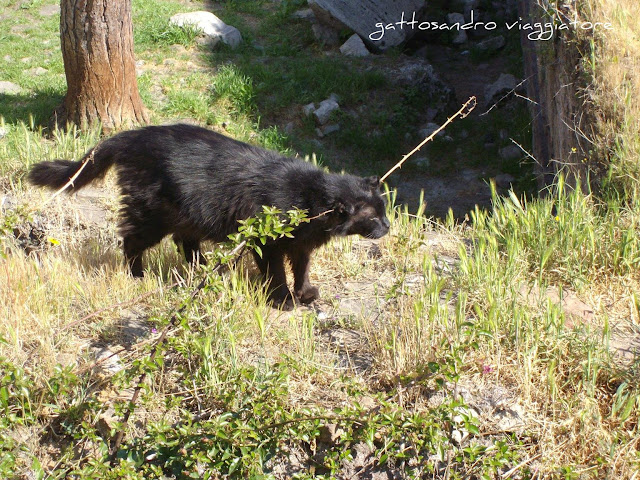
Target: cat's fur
[196,184]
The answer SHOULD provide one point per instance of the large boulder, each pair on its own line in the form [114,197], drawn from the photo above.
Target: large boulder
[212,27]
[419,76]
[369,19]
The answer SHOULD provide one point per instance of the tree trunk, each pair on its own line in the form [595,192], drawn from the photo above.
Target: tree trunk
[97,48]
[552,70]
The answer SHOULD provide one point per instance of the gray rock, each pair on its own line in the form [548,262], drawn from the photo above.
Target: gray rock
[492,44]
[510,152]
[354,47]
[37,71]
[7,202]
[107,360]
[9,88]
[460,35]
[335,97]
[431,114]
[422,162]
[326,35]
[420,75]
[309,109]
[505,83]
[304,14]
[365,18]
[288,128]
[324,111]
[212,27]
[460,38]
[504,180]
[329,129]
[429,128]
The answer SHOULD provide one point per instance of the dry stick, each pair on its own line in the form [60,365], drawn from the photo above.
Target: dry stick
[235,253]
[463,112]
[75,175]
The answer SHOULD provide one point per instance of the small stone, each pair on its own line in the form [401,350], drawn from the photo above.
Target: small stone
[504,180]
[9,88]
[211,26]
[492,44]
[325,110]
[423,162]
[510,152]
[304,14]
[432,113]
[7,202]
[108,421]
[108,361]
[459,436]
[459,39]
[354,47]
[330,434]
[37,71]
[329,129]
[309,109]
[460,35]
[505,84]
[325,35]
[429,128]
[3,132]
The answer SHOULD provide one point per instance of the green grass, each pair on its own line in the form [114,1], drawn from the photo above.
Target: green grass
[240,389]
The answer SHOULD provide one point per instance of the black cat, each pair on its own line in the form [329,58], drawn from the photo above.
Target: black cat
[197,184]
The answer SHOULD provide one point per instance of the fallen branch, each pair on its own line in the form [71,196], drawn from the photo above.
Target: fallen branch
[234,254]
[75,175]
[463,112]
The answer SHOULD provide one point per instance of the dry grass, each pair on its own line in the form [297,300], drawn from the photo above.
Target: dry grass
[614,92]
[428,303]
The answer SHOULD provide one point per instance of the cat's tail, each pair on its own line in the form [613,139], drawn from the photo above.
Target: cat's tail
[57,173]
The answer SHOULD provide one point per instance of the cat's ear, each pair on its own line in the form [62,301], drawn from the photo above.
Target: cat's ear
[373,182]
[343,207]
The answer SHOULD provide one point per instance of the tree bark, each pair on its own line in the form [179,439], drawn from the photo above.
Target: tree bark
[552,71]
[97,48]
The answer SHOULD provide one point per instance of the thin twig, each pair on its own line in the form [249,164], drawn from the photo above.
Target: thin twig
[520,465]
[463,112]
[74,177]
[320,215]
[235,253]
